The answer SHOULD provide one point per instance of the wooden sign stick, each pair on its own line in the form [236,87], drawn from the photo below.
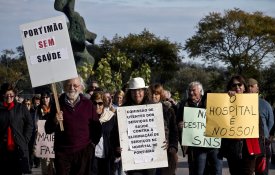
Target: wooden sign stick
[57,104]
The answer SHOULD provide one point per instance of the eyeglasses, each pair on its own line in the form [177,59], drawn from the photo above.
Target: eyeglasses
[9,96]
[98,103]
[236,84]
[73,85]
[45,97]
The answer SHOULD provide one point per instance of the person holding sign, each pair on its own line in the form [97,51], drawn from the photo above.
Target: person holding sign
[16,130]
[156,95]
[82,130]
[137,95]
[200,160]
[238,151]
[104,150]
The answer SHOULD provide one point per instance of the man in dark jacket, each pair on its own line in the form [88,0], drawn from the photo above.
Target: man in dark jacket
[198,157]
[82,130]
[267,121]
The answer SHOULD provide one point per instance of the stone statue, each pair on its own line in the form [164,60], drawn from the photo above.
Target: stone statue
[77,31]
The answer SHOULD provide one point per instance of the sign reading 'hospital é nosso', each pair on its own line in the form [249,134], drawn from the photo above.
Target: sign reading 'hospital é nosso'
[48,51]
[232,117]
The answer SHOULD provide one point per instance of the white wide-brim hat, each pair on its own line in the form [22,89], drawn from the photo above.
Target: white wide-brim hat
[137,83]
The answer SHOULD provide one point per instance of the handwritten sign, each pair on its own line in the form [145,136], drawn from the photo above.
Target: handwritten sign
[232,117]
[44,142]
[194,123]
[48,51]
[141,131]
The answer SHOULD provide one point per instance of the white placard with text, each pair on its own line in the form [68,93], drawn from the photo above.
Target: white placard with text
[48,51]
[44,147]
[141,131]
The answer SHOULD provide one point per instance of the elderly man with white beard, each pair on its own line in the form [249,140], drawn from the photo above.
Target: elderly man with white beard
[82,130]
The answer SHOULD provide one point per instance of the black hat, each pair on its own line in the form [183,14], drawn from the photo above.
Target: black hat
[45,94]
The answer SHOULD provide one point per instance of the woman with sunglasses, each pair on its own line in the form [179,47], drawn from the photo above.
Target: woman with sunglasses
[104,155]
[15,133]
[236,150]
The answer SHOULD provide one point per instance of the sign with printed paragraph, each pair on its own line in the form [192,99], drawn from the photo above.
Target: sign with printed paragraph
[194,122]
[141,133]
[48,51]
[232,117]
[44,142]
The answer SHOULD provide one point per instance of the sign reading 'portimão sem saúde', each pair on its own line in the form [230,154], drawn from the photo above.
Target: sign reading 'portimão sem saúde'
[48,51]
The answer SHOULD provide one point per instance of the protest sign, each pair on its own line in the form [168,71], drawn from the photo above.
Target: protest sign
[232,117]
[194,122]
[48,51]
[141,133]
[44,142]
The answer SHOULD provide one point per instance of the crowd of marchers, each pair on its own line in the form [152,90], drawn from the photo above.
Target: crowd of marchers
[86,130]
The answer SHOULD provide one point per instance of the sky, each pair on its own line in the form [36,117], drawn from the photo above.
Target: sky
[175,20]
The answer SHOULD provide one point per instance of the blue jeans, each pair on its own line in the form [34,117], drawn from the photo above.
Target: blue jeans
[118,168]
[206,161]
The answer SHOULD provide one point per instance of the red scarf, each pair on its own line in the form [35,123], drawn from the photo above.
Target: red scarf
[9,106]
[253,146]
[10,139]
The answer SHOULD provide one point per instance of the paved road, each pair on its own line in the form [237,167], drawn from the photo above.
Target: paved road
[182,168]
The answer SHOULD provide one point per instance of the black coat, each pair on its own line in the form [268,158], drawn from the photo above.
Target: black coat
[170,126]
[20,121]
[110,140]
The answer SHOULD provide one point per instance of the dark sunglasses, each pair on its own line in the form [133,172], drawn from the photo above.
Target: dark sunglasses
[236,84]
[98,103]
